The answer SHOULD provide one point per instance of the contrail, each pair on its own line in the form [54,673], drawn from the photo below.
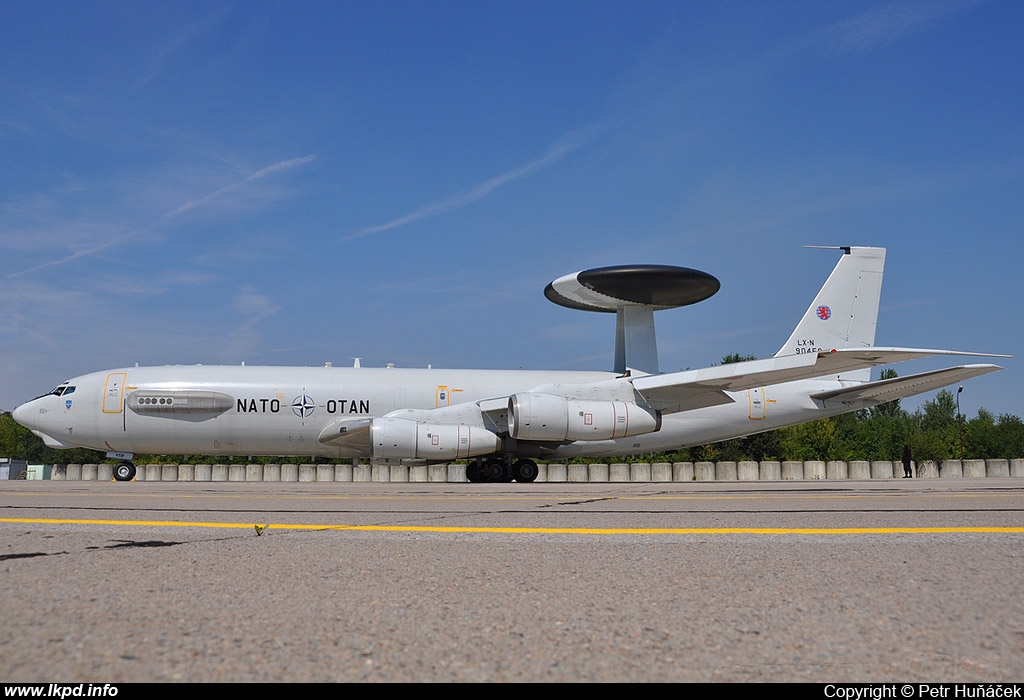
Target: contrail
[276,167]
[187,206]
[554,154]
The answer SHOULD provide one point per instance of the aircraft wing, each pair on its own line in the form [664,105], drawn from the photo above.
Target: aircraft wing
[691,389]
[900,387]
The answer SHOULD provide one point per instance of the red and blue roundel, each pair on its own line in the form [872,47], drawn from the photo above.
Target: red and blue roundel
[824,313]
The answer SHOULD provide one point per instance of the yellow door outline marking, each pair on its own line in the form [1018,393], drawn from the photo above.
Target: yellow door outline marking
[112,391]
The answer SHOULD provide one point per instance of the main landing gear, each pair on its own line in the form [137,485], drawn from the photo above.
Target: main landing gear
[497,470]
[124,471]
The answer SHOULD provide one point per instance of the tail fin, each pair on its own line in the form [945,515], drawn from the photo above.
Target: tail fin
[845,312]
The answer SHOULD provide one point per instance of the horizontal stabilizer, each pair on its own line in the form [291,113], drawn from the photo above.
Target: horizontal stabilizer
[691,389]
[900,387]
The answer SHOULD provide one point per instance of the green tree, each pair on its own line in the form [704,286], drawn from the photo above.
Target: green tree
[819,439]
[736,357]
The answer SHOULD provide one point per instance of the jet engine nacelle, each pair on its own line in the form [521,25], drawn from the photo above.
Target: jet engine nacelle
[535,416]
[401,438]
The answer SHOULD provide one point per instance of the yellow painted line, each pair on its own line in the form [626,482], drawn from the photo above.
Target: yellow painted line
[543,530]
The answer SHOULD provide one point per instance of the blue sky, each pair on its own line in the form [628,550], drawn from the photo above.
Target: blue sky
[294,183]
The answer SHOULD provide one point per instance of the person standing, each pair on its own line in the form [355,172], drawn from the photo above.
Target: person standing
[907,472]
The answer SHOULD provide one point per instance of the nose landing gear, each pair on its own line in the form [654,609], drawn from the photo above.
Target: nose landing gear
[124,471]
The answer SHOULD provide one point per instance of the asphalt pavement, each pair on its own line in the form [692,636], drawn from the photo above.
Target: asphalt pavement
[894,581]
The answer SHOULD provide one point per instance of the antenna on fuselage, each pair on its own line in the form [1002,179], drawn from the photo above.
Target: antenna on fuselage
[633,293]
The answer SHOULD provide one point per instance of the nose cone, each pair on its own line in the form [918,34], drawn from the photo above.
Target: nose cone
[23,414]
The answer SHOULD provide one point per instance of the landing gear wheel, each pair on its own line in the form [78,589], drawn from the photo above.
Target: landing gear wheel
[124,471]
[525,470]
[494,470]
[475,472]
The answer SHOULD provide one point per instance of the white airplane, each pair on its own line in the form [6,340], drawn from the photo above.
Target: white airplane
[504,420]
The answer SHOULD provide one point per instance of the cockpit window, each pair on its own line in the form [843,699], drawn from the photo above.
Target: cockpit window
[62,389]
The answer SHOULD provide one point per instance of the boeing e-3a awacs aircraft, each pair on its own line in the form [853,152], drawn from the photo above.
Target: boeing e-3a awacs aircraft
[503,420]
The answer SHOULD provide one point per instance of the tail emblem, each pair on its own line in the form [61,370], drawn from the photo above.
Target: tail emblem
[824,313]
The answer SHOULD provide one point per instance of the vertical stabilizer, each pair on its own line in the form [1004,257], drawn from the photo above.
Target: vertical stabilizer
[845,312]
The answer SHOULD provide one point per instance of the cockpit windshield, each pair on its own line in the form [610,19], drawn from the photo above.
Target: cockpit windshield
[61,390]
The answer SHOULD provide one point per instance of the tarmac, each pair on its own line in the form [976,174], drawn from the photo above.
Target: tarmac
[914,580]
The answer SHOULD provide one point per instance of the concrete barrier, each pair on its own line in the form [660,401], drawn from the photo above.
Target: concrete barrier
[618,472]
[881,469]
[457,473]
[814,470]
[1017,467]
[747,471]
[704,471]
[770,471]
[682,471]
[661,471]
[859,469]
[997,467]
[640,471]
[557,473]
[623,472]
[974,468]
[951,469]
[792,471]
[725,471]
[836,470]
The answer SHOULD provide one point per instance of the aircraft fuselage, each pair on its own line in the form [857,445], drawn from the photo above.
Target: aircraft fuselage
[247,410]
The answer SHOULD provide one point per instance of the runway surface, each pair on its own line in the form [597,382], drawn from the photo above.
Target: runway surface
[902,580]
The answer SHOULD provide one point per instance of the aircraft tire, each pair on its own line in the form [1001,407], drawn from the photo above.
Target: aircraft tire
[474,472]
[525,470]
[124,471]
[494,470]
